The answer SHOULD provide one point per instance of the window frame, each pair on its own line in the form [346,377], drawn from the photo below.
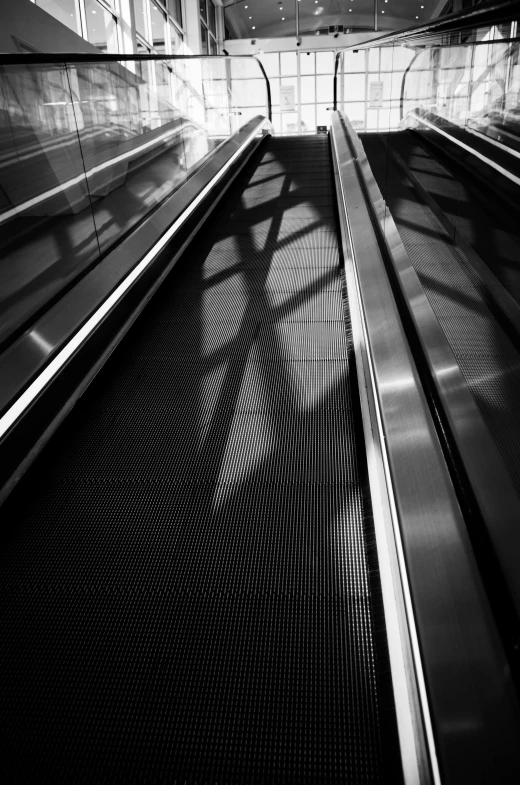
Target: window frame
[205,23]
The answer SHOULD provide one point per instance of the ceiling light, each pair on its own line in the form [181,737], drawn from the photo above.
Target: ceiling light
[253,28]
[250,17]
[283,18]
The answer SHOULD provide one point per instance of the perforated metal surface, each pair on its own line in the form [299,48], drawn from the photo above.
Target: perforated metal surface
[185,583]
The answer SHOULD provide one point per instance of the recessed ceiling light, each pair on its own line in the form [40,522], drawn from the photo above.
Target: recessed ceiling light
[250,17]
[253,28]
[283,18]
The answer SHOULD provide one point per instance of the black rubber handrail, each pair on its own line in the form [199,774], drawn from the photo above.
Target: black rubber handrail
[55,58]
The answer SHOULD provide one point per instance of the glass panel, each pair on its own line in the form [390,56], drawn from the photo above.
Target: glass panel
[47,232]
[140,18]
[212,22]
[65,11]
[288,62]
[373,59]
[291,81]
[355,87]
[474,88]
[324,62]
[175,9]
[90,150]
[158,29]
[289,122]
[175,39]
[308,115]
[356,114]
[386,58]
[249,92]
[307,63]
[277,122]
[202,7]
[203,40]
[101,27]
[322,115]
[325,88]
[354,62]
[275,91]
[308,90]
[271,63]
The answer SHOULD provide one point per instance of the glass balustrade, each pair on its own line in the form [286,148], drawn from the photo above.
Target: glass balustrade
[89,149]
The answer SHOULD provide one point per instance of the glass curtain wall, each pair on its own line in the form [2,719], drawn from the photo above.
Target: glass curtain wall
[301,89]
[208,27]
[158,23]
[369,86]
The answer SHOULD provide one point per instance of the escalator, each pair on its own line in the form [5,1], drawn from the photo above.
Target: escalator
[189,584]
[463,243]
[259,475]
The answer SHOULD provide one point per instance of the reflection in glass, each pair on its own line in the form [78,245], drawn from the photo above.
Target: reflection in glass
[203,40]
[175,9]
[158,28]
[91,149]
[101,27]
[140,18]
[65,11]
[212,22]
[472,88]
[175,40]
[47,233]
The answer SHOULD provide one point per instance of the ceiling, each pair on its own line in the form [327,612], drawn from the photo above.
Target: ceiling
[277,18]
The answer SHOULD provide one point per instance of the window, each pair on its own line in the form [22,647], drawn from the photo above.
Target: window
[208,27]
[140,18]
[212,19]
[101,27]
[158,19]
[175,39]
[65,11]
[203,39]
[175,9]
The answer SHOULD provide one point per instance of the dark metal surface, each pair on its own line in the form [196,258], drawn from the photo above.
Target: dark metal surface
[470,692]
[460,336]
[189,582]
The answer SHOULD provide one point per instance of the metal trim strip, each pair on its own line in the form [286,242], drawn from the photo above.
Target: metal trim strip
[467,687]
